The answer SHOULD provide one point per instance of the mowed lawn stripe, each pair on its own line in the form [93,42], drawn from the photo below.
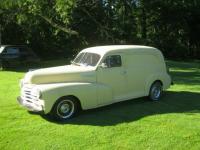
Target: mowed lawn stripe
[172,123]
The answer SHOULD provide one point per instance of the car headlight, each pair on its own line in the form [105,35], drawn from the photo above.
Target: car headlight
[36,92]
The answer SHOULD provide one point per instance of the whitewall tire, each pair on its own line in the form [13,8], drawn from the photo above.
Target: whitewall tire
[65,108]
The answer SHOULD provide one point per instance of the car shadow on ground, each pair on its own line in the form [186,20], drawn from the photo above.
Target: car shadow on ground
[132,110]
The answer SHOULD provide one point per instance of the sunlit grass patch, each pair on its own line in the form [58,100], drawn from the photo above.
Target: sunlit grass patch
[172,123]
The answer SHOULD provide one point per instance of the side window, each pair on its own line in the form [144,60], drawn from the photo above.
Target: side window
[12,50]
[113,61]
[23,50]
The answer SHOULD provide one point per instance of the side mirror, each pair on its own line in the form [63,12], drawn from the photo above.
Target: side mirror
[103,65]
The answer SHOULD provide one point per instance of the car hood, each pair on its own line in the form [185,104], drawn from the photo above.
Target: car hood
[61,74]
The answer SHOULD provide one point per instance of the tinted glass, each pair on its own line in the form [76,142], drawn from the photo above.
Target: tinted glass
[12,50]
[113,61]
[23,50]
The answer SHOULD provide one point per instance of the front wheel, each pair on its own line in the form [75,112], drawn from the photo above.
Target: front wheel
[155,91]
[65,108]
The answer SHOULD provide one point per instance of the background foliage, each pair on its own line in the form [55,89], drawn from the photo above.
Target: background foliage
[62,27]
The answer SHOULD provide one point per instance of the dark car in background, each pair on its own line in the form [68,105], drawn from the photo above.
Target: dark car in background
[14,55]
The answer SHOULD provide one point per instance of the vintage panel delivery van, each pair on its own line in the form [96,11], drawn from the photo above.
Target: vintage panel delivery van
[98,76]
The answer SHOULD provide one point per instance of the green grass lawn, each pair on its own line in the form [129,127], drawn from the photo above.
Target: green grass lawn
[172,123]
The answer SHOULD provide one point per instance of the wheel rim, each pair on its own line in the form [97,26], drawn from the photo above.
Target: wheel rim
[65,109]
[156,91]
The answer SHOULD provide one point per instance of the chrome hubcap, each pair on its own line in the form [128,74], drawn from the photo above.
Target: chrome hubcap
[65,108]
[156,92]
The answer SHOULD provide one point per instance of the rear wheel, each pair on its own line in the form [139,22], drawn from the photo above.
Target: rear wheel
[65,108]
[156,91]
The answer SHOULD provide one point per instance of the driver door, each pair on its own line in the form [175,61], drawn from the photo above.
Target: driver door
[112,75]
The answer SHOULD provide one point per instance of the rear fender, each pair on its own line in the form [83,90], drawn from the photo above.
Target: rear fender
[164,78]
[149,81]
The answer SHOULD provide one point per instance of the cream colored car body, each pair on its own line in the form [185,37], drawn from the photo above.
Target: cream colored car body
[98,85]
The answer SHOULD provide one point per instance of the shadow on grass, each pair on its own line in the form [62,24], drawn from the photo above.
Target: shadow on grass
[132,110]
[187,78]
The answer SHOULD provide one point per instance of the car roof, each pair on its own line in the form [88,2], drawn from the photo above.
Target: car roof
[13,45]
[105,49]
[2,47]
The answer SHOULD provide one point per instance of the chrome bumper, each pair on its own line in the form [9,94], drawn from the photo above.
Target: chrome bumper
[36,106]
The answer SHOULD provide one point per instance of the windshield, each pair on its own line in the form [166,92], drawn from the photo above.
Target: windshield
[86,59]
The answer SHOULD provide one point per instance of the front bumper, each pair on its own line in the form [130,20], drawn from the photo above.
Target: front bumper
[36,106]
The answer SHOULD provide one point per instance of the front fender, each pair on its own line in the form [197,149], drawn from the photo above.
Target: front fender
[85,92]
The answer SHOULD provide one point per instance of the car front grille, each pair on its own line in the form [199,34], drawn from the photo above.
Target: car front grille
[27,95]
[29,100]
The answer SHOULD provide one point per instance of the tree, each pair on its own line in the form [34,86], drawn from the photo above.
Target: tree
[65,26]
